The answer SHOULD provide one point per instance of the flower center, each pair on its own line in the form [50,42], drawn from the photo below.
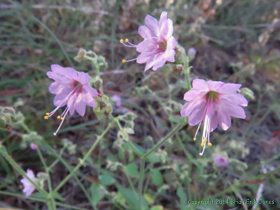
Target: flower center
[162,46]
[212,95]
[78,85]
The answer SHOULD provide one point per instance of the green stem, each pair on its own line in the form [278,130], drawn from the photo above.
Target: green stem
[69,168]
[51,201]
[187,72]
[162,141]
[23,196]
[140,186]
[82,161]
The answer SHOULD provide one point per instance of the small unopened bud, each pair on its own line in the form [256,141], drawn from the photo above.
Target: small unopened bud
[98,84]
[102,104]
[180,54]
[248,93]
[81,55]
[106,113]
[192,52]
[178,68]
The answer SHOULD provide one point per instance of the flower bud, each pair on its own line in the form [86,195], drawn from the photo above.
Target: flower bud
[180,54]
[178,68]
[81,55]
[248,93]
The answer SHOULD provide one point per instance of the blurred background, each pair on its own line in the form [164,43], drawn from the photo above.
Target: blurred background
[235,41]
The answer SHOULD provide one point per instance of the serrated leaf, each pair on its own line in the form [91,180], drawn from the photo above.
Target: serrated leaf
[157,177]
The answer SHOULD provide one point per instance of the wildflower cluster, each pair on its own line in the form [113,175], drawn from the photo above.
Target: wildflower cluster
[209,103]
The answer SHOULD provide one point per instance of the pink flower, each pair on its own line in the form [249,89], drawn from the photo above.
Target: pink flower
[33,146]
[213,103]
[72,89]
[221,161]
[28,187]
[117,99]
[158,45]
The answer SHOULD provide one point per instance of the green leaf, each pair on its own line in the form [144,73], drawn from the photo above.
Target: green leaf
[183,198]
[106,180]
[132,198]
[132,170]
[58,196]
[149,198]
[97,193]
[157,208]
[157,177]
[176,119]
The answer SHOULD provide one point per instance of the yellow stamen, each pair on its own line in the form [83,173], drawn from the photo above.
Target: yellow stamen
[121,41]
[123,60]
[21,186]
[61,118]
[194,139]
[204,140]
[46,117]
[202,144]
[209,144]
[47,114]
[95,98]
[126,40]
[58,117]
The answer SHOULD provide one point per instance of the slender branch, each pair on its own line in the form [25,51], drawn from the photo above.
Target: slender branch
[82,161]
[162,141]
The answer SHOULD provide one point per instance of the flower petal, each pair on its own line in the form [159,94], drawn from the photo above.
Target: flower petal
[196,117]
[235,98]
[224,120]
[189,107]
[229,88]
[71,103]
[215,86]
[90,90]
[159,62]
[88,100]
[83,78]
[145,32]
[152,24]
[166,29]
[191,95]
[147,45]
[80,106]
[200,84]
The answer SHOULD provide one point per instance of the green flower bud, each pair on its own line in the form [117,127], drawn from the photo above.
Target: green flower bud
[248,93]
[81,55]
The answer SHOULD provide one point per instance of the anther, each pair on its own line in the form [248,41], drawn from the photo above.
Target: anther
[61,118]
[194,139]
[209,144]
[58,117]
[123,60]
[100,95]
[47,114]
[121,41]
[126,40]
[46,117]
[202,144]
